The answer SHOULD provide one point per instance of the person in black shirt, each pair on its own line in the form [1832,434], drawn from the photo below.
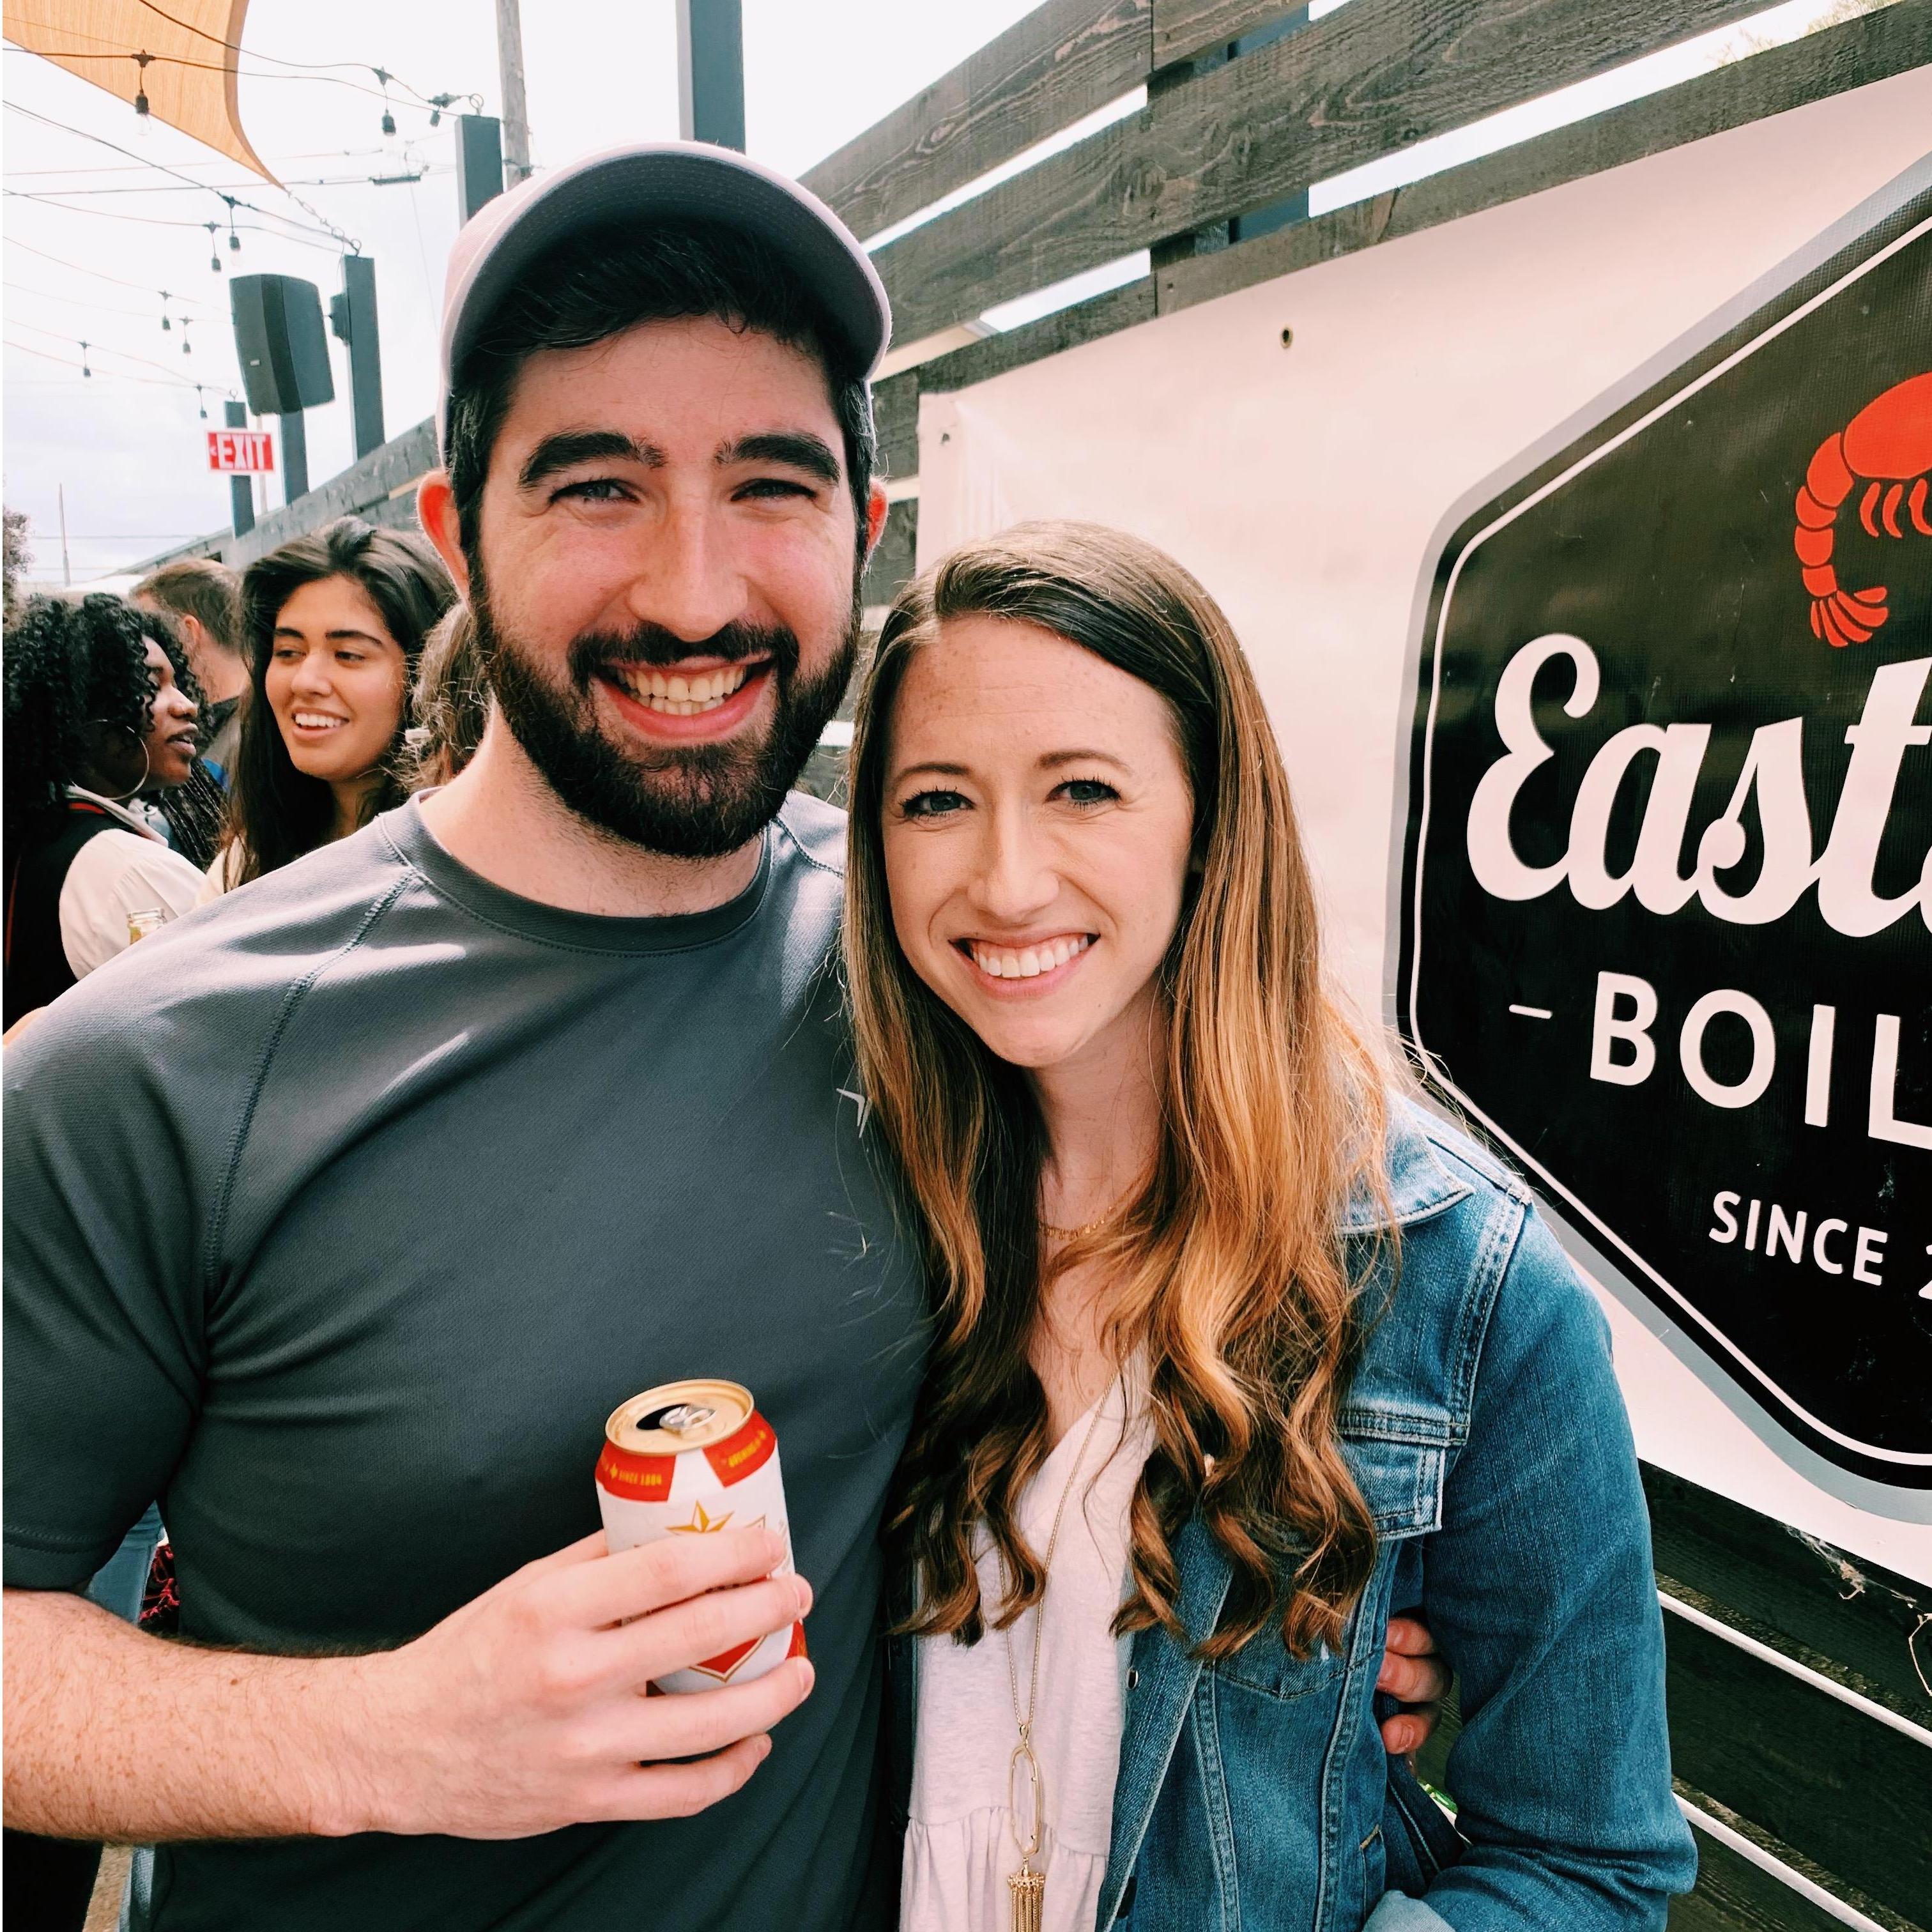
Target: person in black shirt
[101,717]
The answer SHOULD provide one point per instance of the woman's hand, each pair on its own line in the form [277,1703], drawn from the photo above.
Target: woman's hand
[1412,1673]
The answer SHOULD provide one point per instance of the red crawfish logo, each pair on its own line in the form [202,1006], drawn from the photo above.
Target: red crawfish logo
[1886,446]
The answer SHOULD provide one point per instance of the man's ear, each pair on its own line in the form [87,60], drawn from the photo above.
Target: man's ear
[435,507]
[876,508]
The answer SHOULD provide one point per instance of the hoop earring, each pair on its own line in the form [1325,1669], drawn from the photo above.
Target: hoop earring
[147,760]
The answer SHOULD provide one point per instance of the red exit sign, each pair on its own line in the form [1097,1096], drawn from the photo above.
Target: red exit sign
[244,450]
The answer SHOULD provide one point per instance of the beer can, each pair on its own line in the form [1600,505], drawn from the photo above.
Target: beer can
[689,1458]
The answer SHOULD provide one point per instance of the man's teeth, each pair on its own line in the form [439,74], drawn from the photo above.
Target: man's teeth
[1004,962]
[317,721]
[678,695]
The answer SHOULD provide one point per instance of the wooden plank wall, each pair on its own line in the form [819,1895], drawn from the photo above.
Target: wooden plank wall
[1800,1678]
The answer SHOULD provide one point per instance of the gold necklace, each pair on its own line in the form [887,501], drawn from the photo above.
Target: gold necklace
[1112,1214]
[1028,1886]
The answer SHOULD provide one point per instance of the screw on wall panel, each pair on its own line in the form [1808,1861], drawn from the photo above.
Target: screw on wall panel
[1288,338]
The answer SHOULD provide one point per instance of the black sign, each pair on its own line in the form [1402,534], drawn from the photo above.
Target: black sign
[1666,919]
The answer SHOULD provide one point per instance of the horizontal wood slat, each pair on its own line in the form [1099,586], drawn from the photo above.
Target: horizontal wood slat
[1734,1895]
[890,565]
[1849,1793]
[1836,1613]
[1061,62]
[370,481]
[895,420]
[1871,48]
[1183,28]
[1369,80]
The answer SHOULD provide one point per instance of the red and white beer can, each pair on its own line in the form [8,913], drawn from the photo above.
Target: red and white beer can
[688,1458]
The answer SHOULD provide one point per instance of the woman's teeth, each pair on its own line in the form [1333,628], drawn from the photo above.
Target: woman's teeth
[680,696]
[317,721]
[1003,962]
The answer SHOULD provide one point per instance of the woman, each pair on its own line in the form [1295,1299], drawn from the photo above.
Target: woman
[451,704]
[1235,1353]
[100,712]
[334,623]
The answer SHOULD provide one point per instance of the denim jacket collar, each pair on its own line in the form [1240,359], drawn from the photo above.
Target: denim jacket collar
[1420,1184]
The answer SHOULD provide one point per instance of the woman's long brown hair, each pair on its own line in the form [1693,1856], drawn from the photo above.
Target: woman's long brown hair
[1230,1276]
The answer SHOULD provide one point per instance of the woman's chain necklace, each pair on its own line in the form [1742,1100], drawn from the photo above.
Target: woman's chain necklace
[1028,1887]
[1112,1215]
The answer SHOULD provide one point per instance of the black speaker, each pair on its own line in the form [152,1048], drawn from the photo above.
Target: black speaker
[279,340]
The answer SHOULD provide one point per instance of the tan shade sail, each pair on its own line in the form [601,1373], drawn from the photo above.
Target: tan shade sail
[189,80]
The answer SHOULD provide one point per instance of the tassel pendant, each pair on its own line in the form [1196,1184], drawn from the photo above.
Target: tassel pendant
[1029,1890]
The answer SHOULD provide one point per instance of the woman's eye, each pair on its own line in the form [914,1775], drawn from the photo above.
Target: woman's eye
[1086,792]
[931,804]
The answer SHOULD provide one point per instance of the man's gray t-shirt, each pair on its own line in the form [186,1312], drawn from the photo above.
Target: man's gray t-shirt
[341,1216]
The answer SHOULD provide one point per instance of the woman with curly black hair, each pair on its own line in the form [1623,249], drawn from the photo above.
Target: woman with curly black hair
[334,623]
[100,712]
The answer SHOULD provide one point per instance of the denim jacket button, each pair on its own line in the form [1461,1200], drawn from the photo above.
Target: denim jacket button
[1126,1904]
[1133,1683]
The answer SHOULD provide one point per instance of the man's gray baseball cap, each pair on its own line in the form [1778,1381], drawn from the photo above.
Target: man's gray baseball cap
[663,180]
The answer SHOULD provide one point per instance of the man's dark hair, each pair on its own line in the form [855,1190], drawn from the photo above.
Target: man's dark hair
[200,588]
[277,813]
[599,282]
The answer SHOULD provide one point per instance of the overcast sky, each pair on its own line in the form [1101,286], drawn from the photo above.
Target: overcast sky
[130,453]
[127,442]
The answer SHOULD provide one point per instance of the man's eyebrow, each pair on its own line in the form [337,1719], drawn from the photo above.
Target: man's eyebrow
[795,448]
[572,446]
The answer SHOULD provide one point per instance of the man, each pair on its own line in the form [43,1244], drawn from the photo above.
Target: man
[344,1219]
[204,598]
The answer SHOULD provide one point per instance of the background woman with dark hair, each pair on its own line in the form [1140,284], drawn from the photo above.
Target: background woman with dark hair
[334,623]
[100,720]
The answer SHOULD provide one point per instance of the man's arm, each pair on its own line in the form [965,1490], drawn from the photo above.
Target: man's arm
[522,1712]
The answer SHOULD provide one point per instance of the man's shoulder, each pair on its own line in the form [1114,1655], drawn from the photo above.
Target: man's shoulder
[217,976]
[815,830]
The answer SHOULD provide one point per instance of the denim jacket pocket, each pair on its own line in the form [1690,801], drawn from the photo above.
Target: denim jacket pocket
[1397,1459]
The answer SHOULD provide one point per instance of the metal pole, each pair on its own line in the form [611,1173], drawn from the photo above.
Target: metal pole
[67,575]
[295,457]
[479,162]
[711,72]
[353,315]
[510,76]
[241,489]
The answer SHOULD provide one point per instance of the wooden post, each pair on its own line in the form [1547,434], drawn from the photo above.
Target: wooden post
[510,76]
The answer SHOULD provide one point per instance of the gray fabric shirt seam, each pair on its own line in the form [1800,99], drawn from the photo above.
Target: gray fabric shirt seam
[217,1221]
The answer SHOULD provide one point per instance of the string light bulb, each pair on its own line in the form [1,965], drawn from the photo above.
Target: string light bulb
[188,347]
[213,259]
[203,405]
[84,369]
[141,112]
[166,325]
[388,119]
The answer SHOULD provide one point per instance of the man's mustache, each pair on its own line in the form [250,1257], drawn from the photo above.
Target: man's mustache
[652,644]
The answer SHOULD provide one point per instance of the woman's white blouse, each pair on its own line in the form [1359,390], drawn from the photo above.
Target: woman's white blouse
[960,1845]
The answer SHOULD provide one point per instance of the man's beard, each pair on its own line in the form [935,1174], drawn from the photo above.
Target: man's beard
[687,802]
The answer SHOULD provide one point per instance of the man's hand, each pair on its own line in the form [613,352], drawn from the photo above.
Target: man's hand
[522,1711]
[527,1709]
[1412,1673]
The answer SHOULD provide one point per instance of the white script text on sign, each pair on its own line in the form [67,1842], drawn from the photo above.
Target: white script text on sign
[245,451]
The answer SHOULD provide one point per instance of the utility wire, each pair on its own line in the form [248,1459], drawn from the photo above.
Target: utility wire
[331,181]
[104,349]
[14,242]
[163,221]
[82,302]
[121,375]
[232,202]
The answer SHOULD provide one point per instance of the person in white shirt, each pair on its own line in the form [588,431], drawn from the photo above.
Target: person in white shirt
[335,624]
[101,711]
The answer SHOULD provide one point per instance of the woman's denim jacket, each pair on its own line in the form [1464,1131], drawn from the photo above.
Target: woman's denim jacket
[1485,1430]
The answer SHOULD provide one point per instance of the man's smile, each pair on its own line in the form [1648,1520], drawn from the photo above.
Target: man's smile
[696,699]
